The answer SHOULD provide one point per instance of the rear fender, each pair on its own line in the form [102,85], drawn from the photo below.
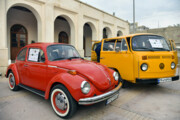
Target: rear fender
[13,68]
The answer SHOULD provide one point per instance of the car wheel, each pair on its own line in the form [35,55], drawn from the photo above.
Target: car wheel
[125,84]
[12,82]
[154,83]
[62,102]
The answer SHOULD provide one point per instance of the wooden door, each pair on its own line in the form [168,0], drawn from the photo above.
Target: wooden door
[18,39]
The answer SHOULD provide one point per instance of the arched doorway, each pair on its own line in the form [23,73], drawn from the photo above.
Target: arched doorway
[22,28]
[18,39]
[63,37]
[107,32]
[119,33]
[64,30]
[87,40]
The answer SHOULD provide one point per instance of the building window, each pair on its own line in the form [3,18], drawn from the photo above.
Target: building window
[63,37]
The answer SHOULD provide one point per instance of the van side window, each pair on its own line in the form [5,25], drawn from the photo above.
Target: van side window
[109,45]
[118,46]
[124,45]
[22,55]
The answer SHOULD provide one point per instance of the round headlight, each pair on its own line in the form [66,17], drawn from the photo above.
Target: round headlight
[116,76]
[173,65]
[144,67]
[85,87]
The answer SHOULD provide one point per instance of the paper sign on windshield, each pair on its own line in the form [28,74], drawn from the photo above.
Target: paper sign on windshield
[156,43]
[33,55]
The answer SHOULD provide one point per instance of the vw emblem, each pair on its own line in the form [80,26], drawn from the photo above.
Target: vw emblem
[161,66]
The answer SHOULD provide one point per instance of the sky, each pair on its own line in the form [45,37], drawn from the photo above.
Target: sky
[151,13]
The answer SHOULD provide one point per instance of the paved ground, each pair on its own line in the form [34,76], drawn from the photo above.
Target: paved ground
[139,102]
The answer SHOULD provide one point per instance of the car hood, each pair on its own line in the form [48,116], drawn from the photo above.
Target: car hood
[99,75]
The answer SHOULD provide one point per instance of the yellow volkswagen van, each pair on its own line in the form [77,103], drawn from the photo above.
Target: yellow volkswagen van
[139,58]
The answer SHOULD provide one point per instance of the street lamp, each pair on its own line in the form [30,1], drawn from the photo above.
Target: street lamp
[134,16]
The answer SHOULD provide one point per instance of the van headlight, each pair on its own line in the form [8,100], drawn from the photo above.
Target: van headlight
[144,67]
[85,87]
[116,76]
[173,65]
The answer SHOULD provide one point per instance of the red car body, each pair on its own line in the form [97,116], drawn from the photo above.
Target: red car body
[43,76]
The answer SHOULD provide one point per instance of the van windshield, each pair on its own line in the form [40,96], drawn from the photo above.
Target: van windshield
[149,43]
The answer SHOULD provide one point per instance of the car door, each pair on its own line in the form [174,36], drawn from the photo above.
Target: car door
[20,64]
[36,69]
[93,52]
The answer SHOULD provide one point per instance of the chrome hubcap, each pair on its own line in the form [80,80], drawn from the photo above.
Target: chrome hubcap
[12,81]
[61,101]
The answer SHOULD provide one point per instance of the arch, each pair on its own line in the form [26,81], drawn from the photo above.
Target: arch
[34,28]
[63,37]
[71,25]
[94,30]
[18,39]
[35,13]
[107,33]
[119,33]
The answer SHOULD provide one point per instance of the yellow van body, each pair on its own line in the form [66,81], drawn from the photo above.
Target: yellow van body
[131,63]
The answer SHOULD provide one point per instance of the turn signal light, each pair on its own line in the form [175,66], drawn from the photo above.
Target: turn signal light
[72,72]
[144,57]
[172,56]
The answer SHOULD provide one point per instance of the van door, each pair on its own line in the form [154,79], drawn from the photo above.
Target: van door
[93,52]
[116,54]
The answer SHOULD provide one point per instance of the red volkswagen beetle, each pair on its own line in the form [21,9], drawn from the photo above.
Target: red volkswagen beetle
[57,72]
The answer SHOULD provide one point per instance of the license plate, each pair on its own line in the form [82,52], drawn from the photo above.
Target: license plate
[112,98]
[165,80]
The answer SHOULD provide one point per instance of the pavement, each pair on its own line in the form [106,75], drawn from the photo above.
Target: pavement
[138,102]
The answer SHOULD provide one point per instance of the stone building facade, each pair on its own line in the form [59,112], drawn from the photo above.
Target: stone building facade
[68,21]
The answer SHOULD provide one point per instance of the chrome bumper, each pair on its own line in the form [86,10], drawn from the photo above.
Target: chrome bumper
[99,98]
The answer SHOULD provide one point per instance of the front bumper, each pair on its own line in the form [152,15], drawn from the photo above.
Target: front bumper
[154,80]
[99,98]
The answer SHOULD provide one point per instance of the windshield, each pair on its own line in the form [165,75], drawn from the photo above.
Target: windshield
[149,43]
[61,52]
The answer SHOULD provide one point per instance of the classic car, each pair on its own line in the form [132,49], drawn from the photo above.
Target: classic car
[57,72]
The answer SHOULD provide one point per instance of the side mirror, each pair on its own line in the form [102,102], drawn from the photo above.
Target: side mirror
[117,50]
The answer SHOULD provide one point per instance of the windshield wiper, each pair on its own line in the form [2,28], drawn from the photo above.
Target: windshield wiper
[145,48]
[70,58]
[58,59]
[163,49]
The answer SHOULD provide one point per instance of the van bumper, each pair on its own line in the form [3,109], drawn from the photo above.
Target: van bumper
[156,80]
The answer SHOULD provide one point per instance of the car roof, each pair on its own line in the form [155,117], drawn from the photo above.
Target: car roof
[39,44]
[132,35]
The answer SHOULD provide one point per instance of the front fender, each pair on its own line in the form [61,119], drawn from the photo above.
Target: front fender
[71,82]
[13,68]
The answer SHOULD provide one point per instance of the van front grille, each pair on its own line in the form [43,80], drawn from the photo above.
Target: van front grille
[166,57]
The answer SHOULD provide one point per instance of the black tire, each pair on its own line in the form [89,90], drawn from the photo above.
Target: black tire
[125,84]
[62,102]
[12,82]
[154,83]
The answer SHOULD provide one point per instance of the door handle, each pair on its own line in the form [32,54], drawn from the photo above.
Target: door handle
[25,65]
[101,57]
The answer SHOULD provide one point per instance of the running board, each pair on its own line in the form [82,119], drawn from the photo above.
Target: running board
[38,92]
